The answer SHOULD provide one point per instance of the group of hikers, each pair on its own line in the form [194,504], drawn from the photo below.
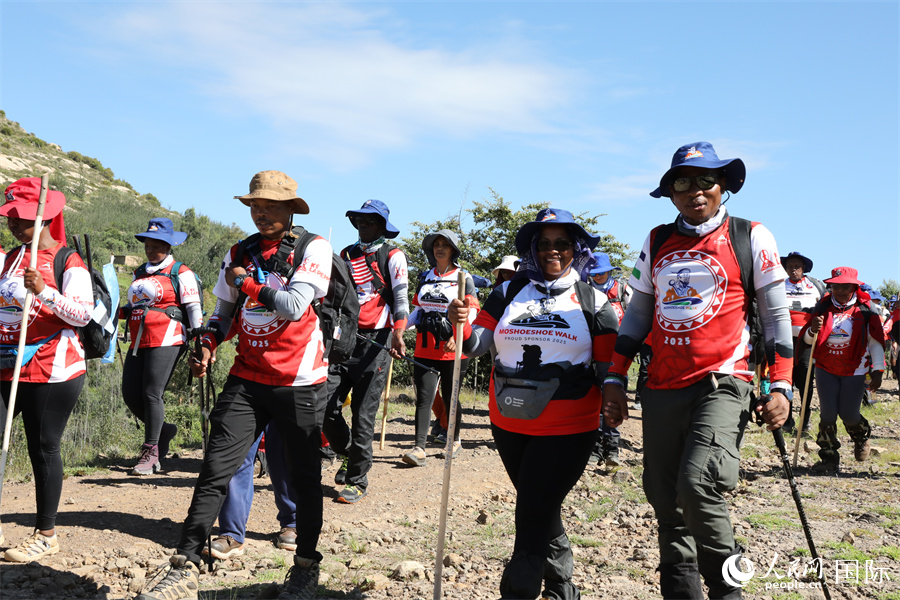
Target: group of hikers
[562,330]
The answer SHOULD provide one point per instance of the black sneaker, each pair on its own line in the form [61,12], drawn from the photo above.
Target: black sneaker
[180,583]
[340,478]
[166,434]
[302,580]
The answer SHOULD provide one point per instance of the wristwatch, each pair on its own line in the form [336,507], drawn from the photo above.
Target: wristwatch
[239,281]
[780,386]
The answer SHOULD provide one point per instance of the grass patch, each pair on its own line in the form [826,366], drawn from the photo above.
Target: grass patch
[585,542]
[773,521]
[845,551]
[892,552]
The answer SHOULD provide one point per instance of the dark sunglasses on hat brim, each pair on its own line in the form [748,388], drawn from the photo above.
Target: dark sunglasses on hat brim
[704,182]
[560,245]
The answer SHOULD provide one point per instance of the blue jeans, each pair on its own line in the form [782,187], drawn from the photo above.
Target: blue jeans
[239,497]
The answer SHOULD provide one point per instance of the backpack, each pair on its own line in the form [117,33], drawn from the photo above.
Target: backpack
[739,232]
[380,278]
[176,284]
[338,311]
[96,336]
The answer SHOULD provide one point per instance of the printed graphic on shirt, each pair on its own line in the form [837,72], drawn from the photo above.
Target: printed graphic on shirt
[361,274]
[12,299]
[691,290]
[145,291]
[541,315]
[842,329]
[431,296]
[256,319]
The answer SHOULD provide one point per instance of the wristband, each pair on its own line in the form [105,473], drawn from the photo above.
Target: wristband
[616,379]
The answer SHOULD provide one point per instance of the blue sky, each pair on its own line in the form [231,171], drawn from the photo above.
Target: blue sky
[425,105]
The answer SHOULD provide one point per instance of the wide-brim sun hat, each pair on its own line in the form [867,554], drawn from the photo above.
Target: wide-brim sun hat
[602,264]
[162,229]
[23,197]
[844,275]
[807,262]
[509,263]
[378,208]
[428,246]
[703,155]
[552,216]
[275,185]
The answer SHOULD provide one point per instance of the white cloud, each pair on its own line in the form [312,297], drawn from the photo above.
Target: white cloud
[338,79]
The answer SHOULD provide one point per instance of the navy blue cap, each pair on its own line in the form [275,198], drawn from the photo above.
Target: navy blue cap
[602,264]
[703,155]
[807,263]
[376,207]
[162,229]
[552,216]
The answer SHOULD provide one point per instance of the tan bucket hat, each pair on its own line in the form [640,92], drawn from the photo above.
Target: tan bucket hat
[275,185]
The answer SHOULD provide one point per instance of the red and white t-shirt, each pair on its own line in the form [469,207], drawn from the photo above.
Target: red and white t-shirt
[700,321]
[434,295]
[374,312]
[272,350]
[802,298]
[156,290]
[53,315]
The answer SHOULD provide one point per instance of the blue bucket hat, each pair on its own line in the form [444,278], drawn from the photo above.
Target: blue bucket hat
[703,155]
[552,216]
[602,264]
[162,229]
[807,263]
[375,207]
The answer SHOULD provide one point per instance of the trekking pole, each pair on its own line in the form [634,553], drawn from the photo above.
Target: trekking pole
[805,400]
[404,357]
[387,394]
[29,299]
[448,450]
[195,333]
[795,492]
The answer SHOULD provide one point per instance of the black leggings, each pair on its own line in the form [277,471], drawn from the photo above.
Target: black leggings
[426,387]
[543,469]
[144,379]
[45,409]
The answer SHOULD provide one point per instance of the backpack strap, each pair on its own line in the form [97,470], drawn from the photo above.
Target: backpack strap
[739,232]
[585,294]
[663,232]
[818,285]
[59,265]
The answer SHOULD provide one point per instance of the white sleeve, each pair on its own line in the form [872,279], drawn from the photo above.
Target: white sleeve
[315,269]
[767,267]
[190,291]
[222,289]
[641,276]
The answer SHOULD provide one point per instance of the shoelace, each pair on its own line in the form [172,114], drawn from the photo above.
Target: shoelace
[34,545]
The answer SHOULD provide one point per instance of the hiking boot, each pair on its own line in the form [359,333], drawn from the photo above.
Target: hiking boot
[302,580]
[441,438]
[436,429]
[286,539]
[224,547]
[148,463]
[610,445]
[180,583]
[351,494]
[166,434]
[340,478]
[861,450]
[415,457]
[33,548]
[860,434]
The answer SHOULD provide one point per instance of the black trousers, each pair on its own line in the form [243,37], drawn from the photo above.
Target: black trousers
[542,481]
[365,374]
[426,387]
[242,411]
[45,409]
[144,380]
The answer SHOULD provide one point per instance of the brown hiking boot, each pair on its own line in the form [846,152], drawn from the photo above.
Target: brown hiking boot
[224,547]
[415,457]
[286,538]
[861,450]
[35,547]
[148,463]
[180,583]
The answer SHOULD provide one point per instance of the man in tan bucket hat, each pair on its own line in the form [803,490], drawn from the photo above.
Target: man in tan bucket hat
[272,278]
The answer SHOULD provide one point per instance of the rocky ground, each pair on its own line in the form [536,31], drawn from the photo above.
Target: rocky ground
[116,531]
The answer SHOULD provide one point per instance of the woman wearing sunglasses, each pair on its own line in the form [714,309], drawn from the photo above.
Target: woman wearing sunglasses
[693,286]
[553,336]
[435,346]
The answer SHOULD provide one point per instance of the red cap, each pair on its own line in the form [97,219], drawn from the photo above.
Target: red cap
[844,275]
[22,198]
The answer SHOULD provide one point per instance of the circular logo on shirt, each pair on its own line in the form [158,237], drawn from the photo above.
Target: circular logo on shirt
[145,291]
[256,319]
[12,297]
[690,288]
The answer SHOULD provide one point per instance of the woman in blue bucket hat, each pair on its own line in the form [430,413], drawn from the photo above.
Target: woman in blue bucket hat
[162,301]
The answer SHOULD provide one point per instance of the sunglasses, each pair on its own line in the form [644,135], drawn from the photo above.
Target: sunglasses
[704,182]
[366,221]
[560,245]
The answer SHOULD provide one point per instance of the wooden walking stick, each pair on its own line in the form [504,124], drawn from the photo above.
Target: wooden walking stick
[805,401]
[29,300]
[387,394]
[448,451]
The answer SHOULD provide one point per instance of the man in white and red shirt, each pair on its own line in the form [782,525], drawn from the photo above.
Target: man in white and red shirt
[277,377]
[379,270]
[693,284]
[803,293]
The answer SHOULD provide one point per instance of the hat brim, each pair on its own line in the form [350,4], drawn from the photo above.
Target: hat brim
[389,230]
[176,238]
[843,279]
[527,231]
[428,246]
[300,207]
[28,210]
[735,174]
[807,262]
[609,270]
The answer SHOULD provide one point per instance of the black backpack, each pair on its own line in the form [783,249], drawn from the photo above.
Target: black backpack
[739,232]
[338,311]
[176,284]
[96,336]
[381,278]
